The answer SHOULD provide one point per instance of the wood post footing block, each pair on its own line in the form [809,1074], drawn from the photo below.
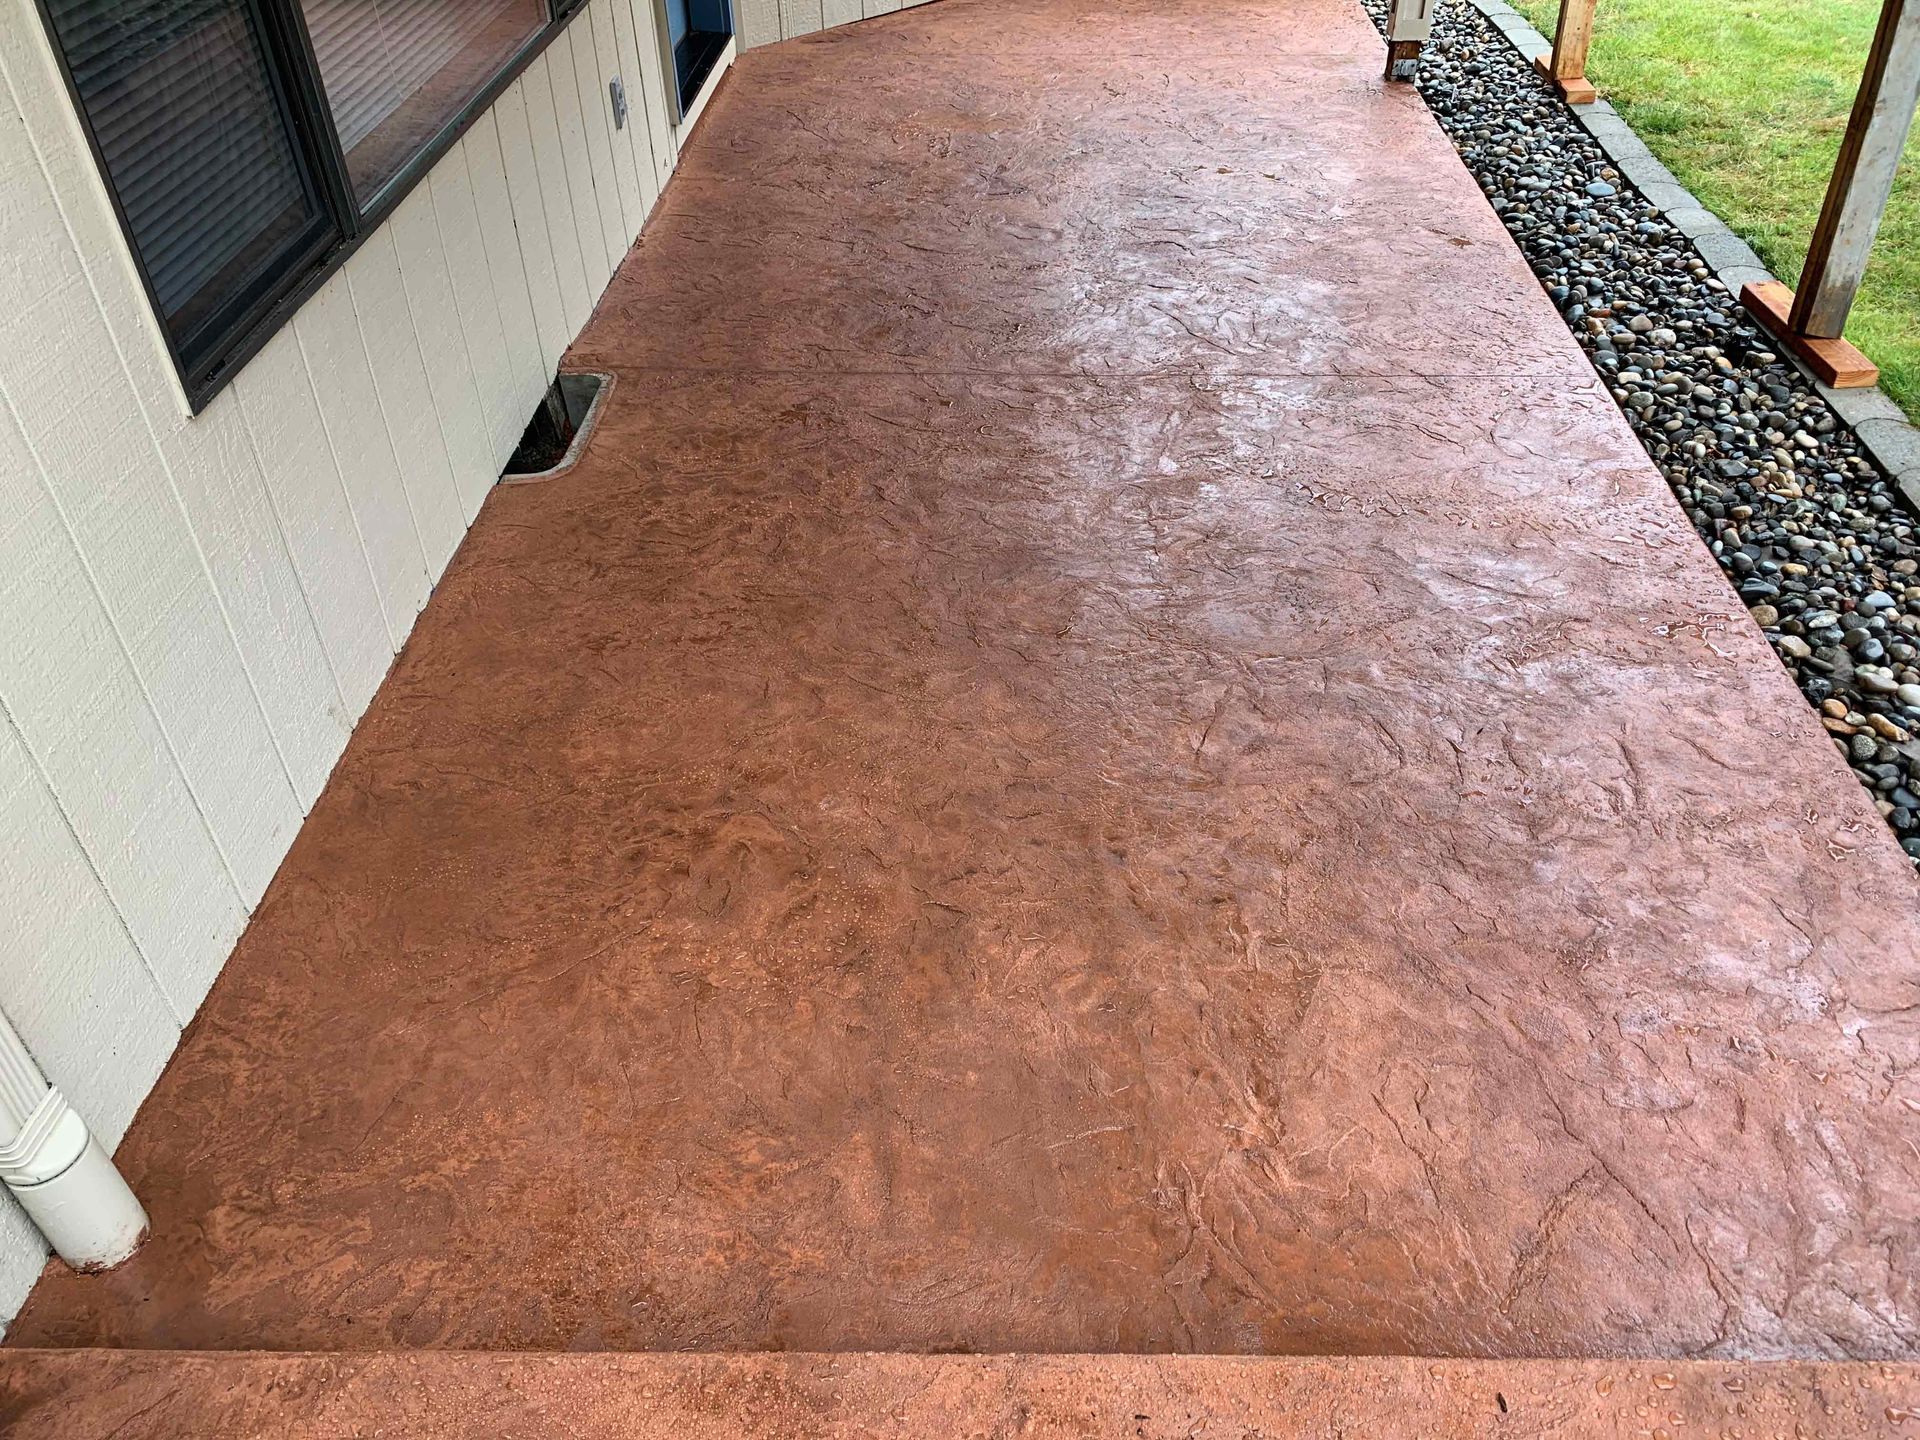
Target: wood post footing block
[1403,59]
[1833,362]
[1575,90]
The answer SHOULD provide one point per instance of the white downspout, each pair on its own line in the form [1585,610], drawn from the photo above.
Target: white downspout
[57,1171]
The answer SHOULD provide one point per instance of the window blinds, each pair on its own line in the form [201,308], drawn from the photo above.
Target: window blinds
[397,71]
[194,141]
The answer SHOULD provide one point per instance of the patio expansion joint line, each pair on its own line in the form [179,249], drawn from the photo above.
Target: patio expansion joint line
[1881,426]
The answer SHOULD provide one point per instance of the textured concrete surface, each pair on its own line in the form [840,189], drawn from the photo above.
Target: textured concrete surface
[1113,749]
[131,1395]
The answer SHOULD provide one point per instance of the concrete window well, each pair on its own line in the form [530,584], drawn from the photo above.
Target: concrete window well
[1111,800]
[558,433]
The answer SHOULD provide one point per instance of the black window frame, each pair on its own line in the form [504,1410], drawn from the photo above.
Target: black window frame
[252,319]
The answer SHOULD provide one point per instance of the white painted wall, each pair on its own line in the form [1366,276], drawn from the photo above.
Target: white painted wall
[194,612]
[760,22]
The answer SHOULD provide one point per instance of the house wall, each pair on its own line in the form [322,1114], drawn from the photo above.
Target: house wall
[760,22]
[195,611]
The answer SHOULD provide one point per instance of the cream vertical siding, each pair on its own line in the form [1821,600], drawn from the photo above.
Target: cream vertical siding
[761,22]
[194,612]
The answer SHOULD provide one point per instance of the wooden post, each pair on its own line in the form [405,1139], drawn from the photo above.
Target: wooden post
[1863,175]
[1567,66]
[1811,321]
[1409,25]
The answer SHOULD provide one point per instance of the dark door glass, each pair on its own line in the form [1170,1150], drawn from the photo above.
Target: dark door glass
[698,31]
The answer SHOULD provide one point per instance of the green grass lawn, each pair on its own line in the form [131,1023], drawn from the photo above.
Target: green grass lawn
[1745,101]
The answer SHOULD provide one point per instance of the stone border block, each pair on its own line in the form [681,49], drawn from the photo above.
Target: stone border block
[1668,198]
[1894,442]
[1737,277]
[1858,406]
[1615,136]
[1695,220]
[1725,250]
[1646,173]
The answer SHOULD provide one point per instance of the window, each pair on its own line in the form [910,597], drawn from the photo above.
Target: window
[396,71]
[250,144]
[197,140]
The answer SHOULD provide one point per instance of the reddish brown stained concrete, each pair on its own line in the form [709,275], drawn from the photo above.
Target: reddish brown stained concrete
[1114,748]
[130,1395]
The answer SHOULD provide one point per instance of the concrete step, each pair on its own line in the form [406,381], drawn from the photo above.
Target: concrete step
[130,1394]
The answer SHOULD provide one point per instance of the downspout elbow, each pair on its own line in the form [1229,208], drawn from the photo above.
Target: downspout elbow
[62,1177]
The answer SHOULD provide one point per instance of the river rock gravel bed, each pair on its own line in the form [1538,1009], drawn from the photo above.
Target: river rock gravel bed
[1809,532]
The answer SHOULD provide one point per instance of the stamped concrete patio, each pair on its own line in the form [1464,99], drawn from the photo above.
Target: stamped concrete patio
[1114,747]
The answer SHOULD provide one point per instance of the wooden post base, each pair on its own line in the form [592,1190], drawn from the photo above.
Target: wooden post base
[1833,362]
[1575,90]
[1403,59]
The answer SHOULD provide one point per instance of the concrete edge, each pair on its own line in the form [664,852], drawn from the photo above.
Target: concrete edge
[1884,432]
[612,1395]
